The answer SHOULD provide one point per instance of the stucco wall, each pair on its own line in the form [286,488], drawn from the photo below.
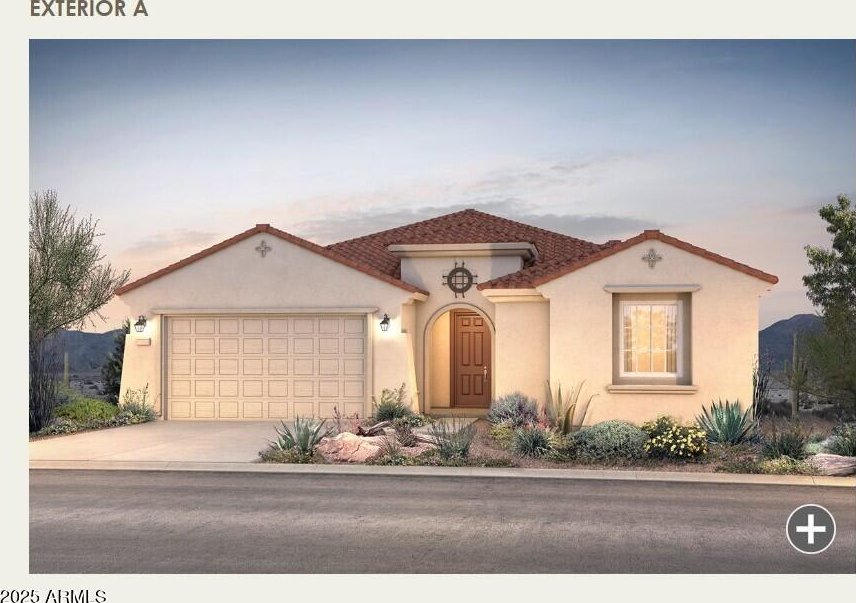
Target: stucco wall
[141,364]
[237,278]
[522,360]
[427,273]
[724,331]
[440,353]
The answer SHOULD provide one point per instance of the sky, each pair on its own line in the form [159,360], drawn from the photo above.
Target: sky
[176,145]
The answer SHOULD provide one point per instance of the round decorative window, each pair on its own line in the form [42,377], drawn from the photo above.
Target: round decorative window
[459,280]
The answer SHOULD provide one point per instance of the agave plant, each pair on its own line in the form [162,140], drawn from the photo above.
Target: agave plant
[561,410]
[726,423]
[305,436]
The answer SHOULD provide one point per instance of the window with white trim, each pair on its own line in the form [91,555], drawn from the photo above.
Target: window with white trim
[651,339]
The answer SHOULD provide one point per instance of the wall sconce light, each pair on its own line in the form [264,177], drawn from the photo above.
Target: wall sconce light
[140,325]
[384,323]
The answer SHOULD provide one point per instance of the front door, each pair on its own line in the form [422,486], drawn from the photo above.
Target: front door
[471,369]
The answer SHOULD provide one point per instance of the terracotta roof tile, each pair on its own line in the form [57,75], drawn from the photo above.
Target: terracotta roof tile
[466,226]
[558,254]
[364,267]
[543,273]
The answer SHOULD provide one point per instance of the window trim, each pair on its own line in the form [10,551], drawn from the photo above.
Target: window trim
[679,351]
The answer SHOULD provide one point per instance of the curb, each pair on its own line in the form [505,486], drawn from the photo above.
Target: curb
[490,472]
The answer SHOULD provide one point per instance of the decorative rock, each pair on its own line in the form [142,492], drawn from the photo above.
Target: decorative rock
[349,448]
[833,464]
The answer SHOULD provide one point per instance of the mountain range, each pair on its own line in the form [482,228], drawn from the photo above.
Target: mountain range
[86,351]
[775,343]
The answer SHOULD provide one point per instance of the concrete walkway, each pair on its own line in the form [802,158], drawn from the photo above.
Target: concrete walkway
[160,442]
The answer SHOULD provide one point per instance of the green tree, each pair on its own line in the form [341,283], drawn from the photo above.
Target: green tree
[69,281]
[111,370]
[832,288]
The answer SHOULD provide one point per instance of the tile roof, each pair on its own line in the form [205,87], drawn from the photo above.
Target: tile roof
[549,273]
[467,226]
[281,234]
[558,254]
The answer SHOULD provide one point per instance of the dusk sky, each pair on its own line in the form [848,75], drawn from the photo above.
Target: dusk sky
[176,145]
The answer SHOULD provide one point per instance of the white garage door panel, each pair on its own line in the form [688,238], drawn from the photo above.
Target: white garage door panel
[271,367]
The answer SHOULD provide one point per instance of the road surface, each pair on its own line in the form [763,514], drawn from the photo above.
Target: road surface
[178,522]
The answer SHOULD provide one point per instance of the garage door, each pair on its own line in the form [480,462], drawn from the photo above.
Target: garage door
[265,366]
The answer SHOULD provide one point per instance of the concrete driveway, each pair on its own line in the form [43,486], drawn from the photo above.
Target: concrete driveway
[161,441]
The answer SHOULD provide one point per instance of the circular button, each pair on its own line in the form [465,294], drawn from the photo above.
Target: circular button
[810,529]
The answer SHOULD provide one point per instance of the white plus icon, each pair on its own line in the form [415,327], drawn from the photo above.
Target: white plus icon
[810,529]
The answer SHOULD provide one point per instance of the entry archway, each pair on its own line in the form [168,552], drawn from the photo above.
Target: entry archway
[458,355]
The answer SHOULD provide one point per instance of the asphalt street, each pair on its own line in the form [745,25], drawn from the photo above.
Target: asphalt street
[183,522]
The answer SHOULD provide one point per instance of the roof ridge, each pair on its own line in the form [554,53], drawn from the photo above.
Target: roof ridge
[551,233]
[468,210]
[373,235]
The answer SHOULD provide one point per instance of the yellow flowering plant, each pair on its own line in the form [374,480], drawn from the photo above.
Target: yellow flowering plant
[669,439]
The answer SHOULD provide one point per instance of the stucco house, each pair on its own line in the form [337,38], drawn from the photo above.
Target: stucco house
[462,308]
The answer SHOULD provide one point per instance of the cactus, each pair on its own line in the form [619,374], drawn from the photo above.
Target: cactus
[796,374]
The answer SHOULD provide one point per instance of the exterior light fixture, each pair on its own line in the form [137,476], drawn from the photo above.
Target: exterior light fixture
[140,325]
[384,323]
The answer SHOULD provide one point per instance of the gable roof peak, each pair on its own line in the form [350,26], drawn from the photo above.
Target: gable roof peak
[285,236]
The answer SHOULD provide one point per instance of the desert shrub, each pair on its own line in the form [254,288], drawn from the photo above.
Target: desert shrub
[44,367]
[453,438]
[344,424]
[502,434]
[392,405]
[610,440]
[291,455]
[304,437]
[405,436]
[843,440]
[434,459]
[739,465]
[564,447]
[669,439]
[399,460]
[565,413]
[412,420]
[390,453]
[815,448]
[532,441]
[726,423]
[790,442]
[659,426]
[60,426]
[785,465]
[135,405]
[86,409]
[514,408]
